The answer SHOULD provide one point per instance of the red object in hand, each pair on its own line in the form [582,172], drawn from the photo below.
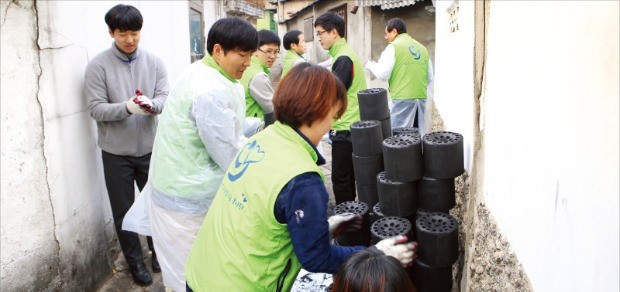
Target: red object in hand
[338,231]
[145,106]
[135,99]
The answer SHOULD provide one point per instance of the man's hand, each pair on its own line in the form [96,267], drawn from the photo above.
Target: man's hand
[398,249]
[145,103]
[344,222]
[141,105]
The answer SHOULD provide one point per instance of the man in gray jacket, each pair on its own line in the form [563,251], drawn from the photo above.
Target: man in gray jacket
[126,88]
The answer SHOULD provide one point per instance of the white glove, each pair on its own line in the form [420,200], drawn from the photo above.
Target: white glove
[337,220]
[368,64]
[140,105]
[398,249]
[146,104]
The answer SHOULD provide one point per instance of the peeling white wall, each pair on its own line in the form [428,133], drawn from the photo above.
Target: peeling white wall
[551,139]
[550,126]
[56,220]
[28,248]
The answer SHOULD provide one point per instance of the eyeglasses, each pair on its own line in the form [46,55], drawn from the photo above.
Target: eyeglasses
[270,52]
[319,33]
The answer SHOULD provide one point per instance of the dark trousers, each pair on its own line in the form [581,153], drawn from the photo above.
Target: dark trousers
[343,178]
[120,173]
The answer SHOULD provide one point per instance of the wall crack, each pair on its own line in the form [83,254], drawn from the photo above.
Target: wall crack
[45,158]
[6,11]
[54,48]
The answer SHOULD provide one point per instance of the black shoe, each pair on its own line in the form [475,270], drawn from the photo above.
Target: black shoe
[155,264]
[140,274]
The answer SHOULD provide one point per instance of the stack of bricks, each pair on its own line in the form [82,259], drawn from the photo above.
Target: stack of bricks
[413,188]
[405,186]
[436,229]
[366,137]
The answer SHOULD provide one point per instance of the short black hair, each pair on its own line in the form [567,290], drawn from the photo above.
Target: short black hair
[291,37]
[232,33]
[396,23]
[268,37]
[124,17]
[330,20]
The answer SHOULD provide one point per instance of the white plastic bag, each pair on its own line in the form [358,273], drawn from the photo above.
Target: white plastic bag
[137,218]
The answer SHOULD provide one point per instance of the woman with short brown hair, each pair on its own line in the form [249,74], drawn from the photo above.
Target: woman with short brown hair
[269,217]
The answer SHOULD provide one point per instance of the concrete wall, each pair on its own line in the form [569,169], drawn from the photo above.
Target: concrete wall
[57,231]
[551,139]
[534,87]
[29,253]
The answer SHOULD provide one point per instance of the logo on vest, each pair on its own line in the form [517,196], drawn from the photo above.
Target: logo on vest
[415,52]
[238,203]
[249,154]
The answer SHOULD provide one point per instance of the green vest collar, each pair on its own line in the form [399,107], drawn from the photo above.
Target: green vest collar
[209,61]
[256,60]
[294,54]
[320,160]
[336,47]
[399,36]
[300,139]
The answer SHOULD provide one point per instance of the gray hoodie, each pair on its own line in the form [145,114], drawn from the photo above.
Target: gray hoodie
[110,80]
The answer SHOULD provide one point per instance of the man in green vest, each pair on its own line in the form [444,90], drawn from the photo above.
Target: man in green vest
[199,134]
[406,65]
[255,80]
[295,46]
[346,65]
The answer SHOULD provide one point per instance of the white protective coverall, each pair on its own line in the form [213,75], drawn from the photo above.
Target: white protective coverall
[199,133]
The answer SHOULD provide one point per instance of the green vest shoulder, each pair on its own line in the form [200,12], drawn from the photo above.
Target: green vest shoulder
[241,246]
[409,75]
[289,59]
[352,114]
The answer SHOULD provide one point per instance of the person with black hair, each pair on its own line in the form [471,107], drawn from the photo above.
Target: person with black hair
[372,270]
[347,66]
[295,45]
[406,65]
[199,134]
[255,80]
[117,85]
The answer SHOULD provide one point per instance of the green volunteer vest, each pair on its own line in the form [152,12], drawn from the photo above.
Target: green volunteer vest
[252,108]
[241,246]
[409,75]
[352,114]
[289,59]
[181,166]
